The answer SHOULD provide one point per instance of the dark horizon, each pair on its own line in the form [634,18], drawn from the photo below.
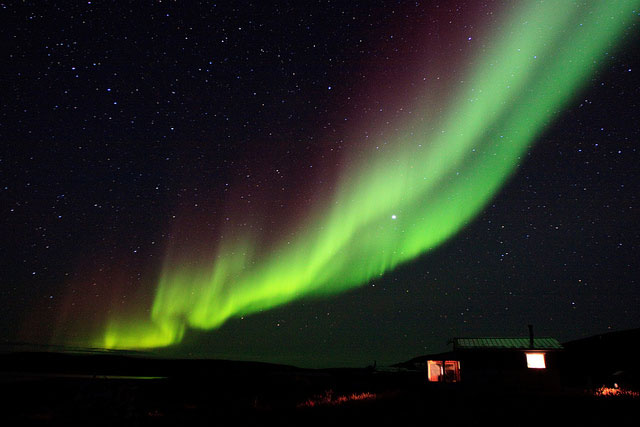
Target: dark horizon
[10,348]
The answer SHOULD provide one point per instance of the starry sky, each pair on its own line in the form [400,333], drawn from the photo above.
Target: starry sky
[143,140]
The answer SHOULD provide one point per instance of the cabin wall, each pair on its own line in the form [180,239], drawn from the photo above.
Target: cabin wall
[507,369]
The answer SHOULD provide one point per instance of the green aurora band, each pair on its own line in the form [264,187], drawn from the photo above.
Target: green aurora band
[395,205]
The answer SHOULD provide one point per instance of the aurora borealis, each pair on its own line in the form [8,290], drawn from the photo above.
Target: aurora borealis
[395,195]
[434,180]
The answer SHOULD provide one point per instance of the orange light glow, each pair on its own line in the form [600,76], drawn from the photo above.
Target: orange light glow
[328,399]
[605,391]
[434,370]
[535,361]
[443,371]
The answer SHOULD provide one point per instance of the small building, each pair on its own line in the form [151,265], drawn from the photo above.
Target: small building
[518,362]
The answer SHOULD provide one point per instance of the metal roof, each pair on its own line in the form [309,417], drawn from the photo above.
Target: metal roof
[506,343]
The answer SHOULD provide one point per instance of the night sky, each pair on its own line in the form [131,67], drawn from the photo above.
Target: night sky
[150,148]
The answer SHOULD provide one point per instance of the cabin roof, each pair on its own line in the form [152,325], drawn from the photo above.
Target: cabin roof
[506,343]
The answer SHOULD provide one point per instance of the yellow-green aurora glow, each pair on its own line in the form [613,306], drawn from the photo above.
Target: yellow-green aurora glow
[390,207]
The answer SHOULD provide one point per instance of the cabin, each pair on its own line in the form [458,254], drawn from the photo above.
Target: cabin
[497,361]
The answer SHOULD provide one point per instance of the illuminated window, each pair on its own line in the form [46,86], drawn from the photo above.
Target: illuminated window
[435,370]
[443,371]
[535,361]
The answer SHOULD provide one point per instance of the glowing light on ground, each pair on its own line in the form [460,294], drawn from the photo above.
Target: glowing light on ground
[615,391]
[329,400]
